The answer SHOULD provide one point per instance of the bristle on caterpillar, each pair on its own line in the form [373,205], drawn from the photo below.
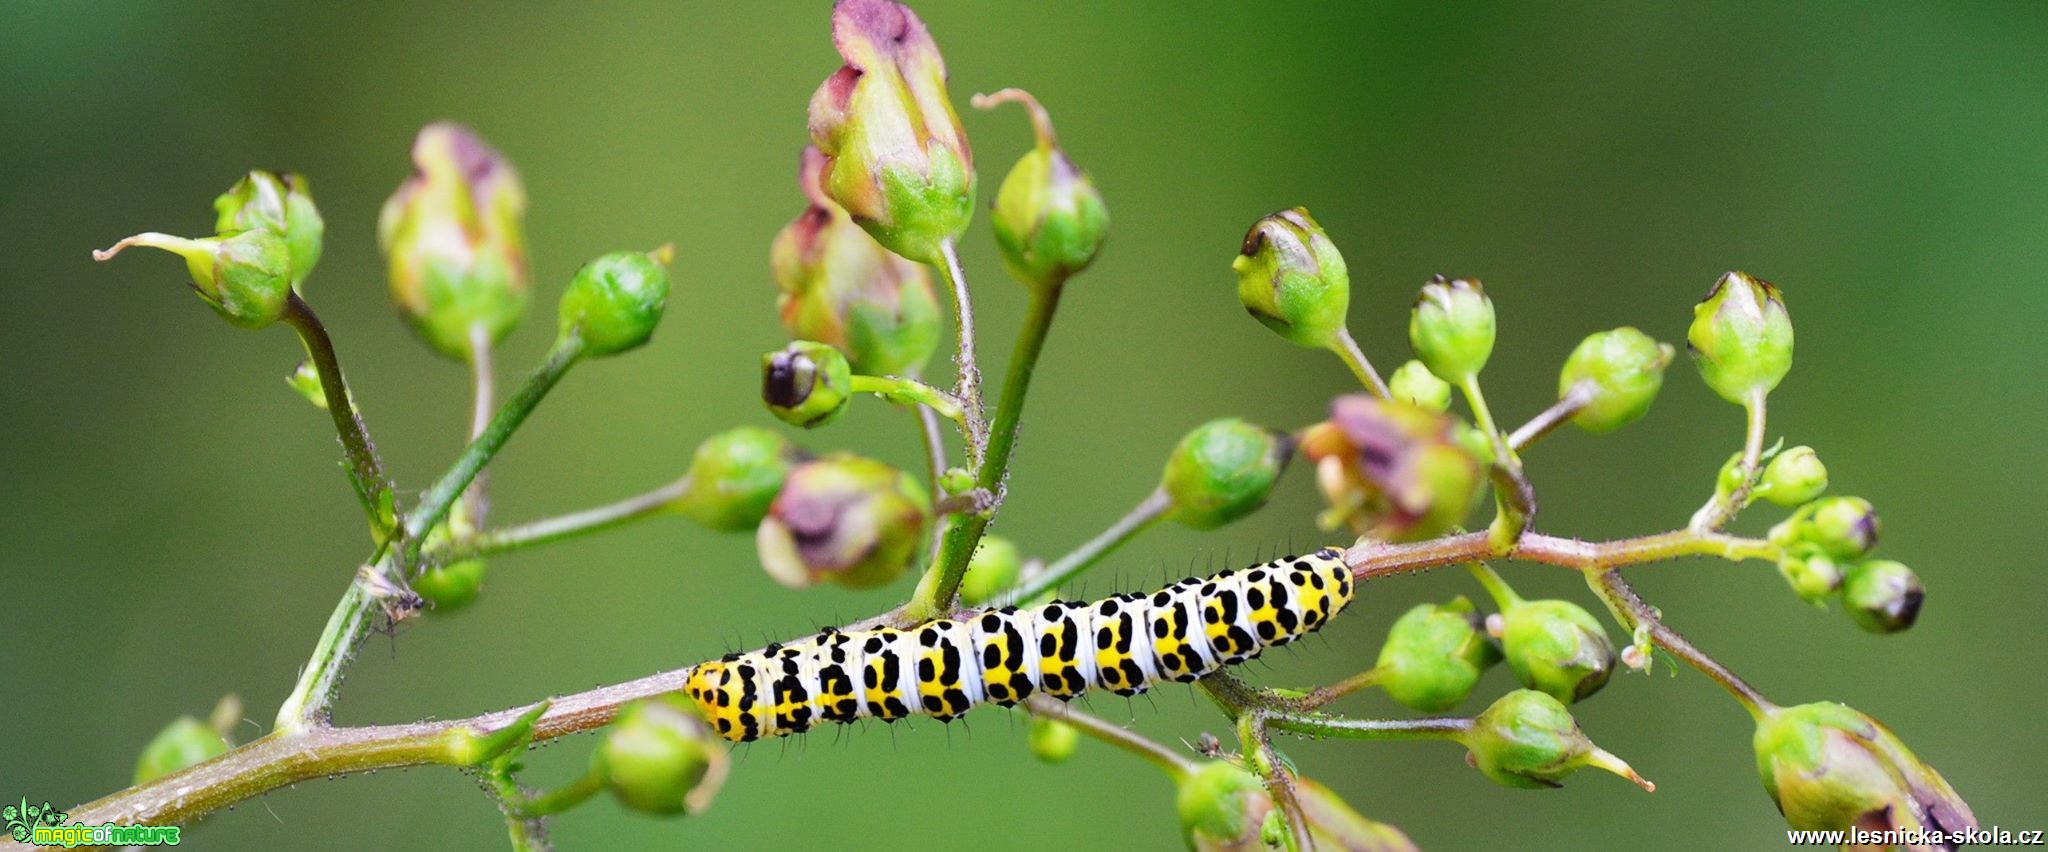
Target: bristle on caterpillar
[945,667]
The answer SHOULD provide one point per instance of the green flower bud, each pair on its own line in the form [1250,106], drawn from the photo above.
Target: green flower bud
[1049,219]
[659,757]
[184,742]
[1556,647]
[991,572]
[448,588]
[1392,470]
[280,204]
[1622,370]
[1741,337]
[1451,328]
[843,518]
[1830,768]
[1434,655]
[806,384]
[1333,824]
[734,475]
[1528,739]
[1222,806]
[614,302]
[305,381]
[840,287]
[245,277]
[1292,278]
[454,240]
[897,159]
[1882,596]
[1052,740]
[1845,527]
[1813,575]
[1414,384]
[1223,470]
[1793,477]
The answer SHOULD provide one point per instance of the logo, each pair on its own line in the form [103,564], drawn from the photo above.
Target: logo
[44,826]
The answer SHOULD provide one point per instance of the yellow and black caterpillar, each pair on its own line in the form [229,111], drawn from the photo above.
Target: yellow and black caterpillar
[943,668]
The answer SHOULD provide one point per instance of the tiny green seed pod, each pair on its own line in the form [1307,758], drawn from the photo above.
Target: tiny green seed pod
[1052,740]
[991,572]
[1882,596]
[806,384]
[184,742]
[1846,527]
[1622,370]
[1528,739]
[1451,328]
[846,519]
[1222,806]
[1223,470]
[1741,337]
[659,757]
[734,475]
[448,588]
[1793,477]
[614,302]
[1811,572]
[1434,656]
[1414,384]
[1292,278]
[282,204]
[245,277]
[1049,219]
[1830,768]
[1556,647]
[454,242]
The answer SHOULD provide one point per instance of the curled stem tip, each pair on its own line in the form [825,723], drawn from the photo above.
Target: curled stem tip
[1041,121]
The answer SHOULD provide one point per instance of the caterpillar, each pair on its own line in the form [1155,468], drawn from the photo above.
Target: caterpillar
[945,667]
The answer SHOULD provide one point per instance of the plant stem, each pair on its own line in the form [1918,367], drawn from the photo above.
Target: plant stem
[1558,414]
[1503,595]
[562,527]
[968,386]
[1131,741]
[1265,761]
[558,800]
[1371,560]
[365,472]
[1139,519]
[1632,610]
[1514,500]
[1353,355]
[1720,509]
[913,392]
[476,501]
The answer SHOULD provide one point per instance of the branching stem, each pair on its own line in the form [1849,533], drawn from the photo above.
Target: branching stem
[1353,355]
[1141,518]
[561,527]
[365,472]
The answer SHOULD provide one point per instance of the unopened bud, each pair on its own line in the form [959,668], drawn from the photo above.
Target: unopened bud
[1414,384]
[245,277]
[1223,470]
[806,384]
[1528,739]
[1621,371]
[1049,219]
[1882,596]
[991,572]
[1434,655]
[454,239]
[1556,647]
[1830,768]
[660,757]
[1451,328]
[1812,573]
[1793,477]
[282,204]
[734,475]
[1222,806]
[1741,337]
[846,519]
[1052,740]
[614,302]
[184,742]
[1293,279]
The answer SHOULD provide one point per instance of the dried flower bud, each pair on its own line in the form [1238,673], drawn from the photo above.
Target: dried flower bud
[991,572]
[897,159]
[1293,279]
[840,287]
[1741,337]
[1223,470]
[184,742]
[1830,768]
[1392,470]
[1528,739]
[660,757]
[846,519]
[1623,369]
[734,475]
[1049,219]
[1451,327]
[245,277]
[806,384]
[453,235]
[1793,477]
[1414,384]
[1434,655]
[1052,740]
[1556,647]
[614,302]
[1882,596]
[281,204]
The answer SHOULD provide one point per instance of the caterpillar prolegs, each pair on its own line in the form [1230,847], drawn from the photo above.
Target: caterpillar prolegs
[944,667]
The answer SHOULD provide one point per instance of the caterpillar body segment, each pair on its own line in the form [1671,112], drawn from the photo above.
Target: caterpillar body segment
[945,667]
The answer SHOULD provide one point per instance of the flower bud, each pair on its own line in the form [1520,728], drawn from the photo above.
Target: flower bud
[280,204]
[1414,384]
[1222,806]
[1741,337]
[1556,647]
[1882,596]
[614,302]
[659,756]
[734,475]
[1843,527]
[1812,574]
[1830,768]
[991,572]
[1052,740]
[245,277]
[1292,278]
[1793,477]
[840,287]
[447,588]
[897,159]
[1049,219]
[843,518]
[1392,470]
[1451,328]
[1333,824]
[1623,369]
[454,240]
[1223,470]
[806,384]
[1434,655]
[184,742]
[1528,739]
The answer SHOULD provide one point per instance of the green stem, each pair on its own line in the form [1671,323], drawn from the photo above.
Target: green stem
[1559,413]
[1514,501]
[1141,518]
[1353,356]
[365,472]
[912,392]
[1632,610]
[1503,595]
[1173,764]
[562,527]
[968,386]
[557,800]
[1341,727]
[1721,508]
[476,501]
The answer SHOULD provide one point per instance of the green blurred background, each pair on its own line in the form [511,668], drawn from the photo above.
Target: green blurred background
[174,528]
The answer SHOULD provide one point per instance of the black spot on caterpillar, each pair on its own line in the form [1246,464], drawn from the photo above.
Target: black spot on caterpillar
[947,666]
